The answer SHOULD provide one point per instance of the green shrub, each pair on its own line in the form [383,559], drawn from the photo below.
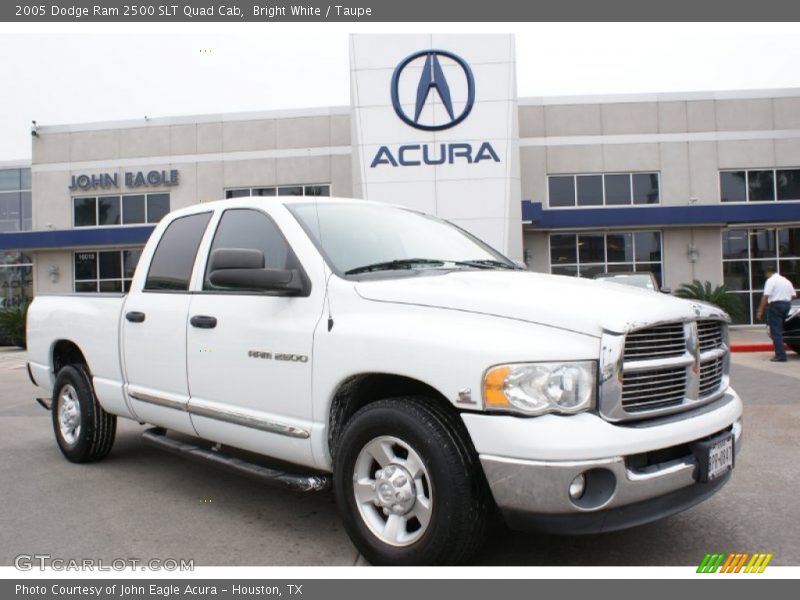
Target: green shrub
[12,324]
[719,296]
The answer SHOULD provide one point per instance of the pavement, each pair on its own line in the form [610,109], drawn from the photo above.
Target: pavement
[143,503]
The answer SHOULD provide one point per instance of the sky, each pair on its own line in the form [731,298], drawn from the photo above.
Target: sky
[73,73]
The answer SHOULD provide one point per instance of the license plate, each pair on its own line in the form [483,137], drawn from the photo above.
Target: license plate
[720,458]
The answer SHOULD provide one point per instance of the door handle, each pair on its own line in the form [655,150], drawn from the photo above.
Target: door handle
[134,316]
[203,322]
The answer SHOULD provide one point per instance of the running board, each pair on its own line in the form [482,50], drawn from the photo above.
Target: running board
[298,482]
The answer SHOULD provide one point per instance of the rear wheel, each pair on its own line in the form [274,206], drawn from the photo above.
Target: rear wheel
[409,485]
[83,430]
[794,346]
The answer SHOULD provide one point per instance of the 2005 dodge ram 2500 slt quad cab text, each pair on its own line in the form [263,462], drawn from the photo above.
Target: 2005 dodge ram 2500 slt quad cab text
[391,355]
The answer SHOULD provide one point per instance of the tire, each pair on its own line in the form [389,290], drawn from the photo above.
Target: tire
[434,489]
[794,346]
[84,431]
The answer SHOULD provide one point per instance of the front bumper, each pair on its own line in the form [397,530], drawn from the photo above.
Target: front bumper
[621,491]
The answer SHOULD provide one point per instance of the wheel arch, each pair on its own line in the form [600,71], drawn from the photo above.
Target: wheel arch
[359,390]
[64,353]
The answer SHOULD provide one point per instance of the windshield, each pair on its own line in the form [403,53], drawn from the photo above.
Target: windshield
[358,238]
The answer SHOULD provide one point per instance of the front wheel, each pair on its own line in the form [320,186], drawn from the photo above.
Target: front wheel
[84,431]
[409,485]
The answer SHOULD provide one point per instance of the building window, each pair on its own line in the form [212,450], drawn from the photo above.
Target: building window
[16,278]
[15,200]
[110,211]
[759,185]
[748,253]
[105,270]
[607,189]
[589,254]
[283,190]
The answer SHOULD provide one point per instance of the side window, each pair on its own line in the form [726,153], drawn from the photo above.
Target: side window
[171,267]
[253,230]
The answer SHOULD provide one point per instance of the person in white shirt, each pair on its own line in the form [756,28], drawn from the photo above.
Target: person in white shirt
[778,294]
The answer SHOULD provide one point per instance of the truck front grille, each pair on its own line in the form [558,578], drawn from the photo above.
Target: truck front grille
[646,390]
[660,341]
[658,371]
[709,334]
[711,373]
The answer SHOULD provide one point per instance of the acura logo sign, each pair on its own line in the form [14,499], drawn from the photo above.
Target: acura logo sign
[430,96]
[433,85]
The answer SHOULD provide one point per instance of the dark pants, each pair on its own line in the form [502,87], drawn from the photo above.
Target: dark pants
[776,315]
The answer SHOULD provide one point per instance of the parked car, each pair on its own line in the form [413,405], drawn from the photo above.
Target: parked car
[791,327]
[400,360]
[645,280]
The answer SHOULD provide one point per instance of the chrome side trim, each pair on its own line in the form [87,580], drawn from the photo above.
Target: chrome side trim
[238,418]
[158,400]
[220,414]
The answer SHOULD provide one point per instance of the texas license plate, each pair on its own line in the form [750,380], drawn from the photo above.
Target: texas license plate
[720,458]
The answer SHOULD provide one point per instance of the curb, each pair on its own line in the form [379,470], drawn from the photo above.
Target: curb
[762,347]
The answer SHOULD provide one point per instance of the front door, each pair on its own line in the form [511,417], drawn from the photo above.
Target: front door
[249,353]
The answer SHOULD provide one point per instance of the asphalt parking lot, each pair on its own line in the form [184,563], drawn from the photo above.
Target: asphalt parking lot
[143,503]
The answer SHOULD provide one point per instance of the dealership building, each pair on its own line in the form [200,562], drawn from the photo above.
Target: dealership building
[700,185]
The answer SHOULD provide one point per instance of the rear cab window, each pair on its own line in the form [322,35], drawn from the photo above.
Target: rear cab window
[173,261]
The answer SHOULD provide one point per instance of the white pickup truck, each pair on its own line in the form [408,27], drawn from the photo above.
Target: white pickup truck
[391,355]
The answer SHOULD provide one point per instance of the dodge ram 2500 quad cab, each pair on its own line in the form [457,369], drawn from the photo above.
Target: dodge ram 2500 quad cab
[391,355]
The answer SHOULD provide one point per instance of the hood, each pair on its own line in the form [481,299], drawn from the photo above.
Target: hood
[571,303]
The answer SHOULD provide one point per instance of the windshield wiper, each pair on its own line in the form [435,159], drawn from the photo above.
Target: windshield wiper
[389,265]
[487,263]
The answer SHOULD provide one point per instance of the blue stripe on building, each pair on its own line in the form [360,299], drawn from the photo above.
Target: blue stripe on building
[75,238]
[659,216]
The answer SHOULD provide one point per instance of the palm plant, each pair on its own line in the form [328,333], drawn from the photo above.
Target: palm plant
[12,324]
[719,296]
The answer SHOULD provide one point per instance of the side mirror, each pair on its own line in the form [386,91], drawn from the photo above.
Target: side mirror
[243,269]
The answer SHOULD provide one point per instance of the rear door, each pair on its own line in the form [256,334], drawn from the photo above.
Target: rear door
[250,353]
[154,325]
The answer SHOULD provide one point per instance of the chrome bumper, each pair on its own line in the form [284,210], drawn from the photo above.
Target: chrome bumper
[541,488]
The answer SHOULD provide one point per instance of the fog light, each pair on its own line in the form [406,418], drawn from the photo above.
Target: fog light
[577,487]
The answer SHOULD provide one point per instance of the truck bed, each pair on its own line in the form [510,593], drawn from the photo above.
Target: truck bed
[92,323]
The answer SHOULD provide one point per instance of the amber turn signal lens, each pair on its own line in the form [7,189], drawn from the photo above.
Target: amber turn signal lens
[493,386]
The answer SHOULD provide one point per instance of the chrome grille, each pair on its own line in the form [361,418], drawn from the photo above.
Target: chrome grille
[711,373]
[709,334]
[646,390]
[661,341]
[654,371]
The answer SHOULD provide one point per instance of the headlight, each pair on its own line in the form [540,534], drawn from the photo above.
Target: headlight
[539,388]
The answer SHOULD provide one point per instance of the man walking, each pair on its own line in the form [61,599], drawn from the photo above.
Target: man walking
[778,293]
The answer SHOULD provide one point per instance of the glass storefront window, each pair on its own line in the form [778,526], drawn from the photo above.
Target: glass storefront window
[589,254]
[759,185]
[609,189]
[788,184]
[15,200]
[129,209]
[748,253]
[16,278]
[283,190]
[105,270]
[732,186]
